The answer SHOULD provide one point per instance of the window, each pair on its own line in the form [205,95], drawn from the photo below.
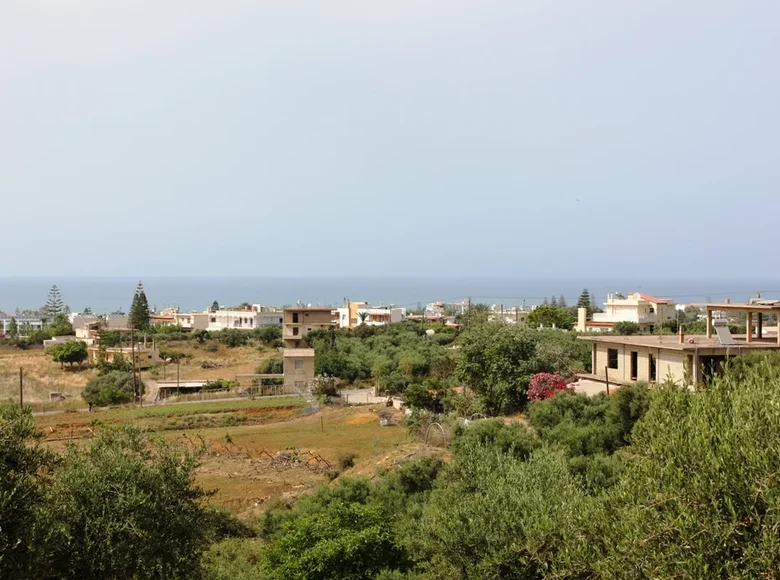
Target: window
[652,369]
[634,365]
[295,331]
[612,358]
[213,319]
[280,321]
[295,318]
[298,364]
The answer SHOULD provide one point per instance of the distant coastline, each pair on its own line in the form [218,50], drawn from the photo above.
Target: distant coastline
[106,294]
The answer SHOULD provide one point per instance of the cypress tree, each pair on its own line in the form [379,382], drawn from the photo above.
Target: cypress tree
[554,302]
[54,303]
[139,310]
[546,302]
[562,302]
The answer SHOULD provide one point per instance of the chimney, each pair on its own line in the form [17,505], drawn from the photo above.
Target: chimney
[582,319]
[682,335]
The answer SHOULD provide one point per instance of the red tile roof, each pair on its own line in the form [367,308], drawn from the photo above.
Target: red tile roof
[653,299]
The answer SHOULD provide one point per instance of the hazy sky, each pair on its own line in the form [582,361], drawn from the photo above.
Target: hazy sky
[404,137]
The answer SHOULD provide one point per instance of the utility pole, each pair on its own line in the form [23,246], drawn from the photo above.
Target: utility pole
[21,388]
[132,358]
[468,314]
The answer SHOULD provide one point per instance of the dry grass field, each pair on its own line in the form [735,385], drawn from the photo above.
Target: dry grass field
[42,376]
[225,363]
[256,450]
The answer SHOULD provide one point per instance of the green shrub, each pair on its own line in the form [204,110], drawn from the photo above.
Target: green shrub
[113,388]
[117,363]
[514,439]
[271,366]
[626,328]
[346,460]
[25,469]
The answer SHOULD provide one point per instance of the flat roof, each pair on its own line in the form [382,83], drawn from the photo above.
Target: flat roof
[311,308]
[744,307]
[299,352]
[672,341]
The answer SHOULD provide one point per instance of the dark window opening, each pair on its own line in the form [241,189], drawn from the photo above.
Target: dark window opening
[634,365]
[652,370]
[295,331]
[612,358]
[295,318]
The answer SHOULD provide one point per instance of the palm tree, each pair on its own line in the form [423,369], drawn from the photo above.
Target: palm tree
[363,316]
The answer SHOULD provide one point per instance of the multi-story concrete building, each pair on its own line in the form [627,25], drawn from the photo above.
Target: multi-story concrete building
[643,309]
[298,359]
[357,313]
[298,321]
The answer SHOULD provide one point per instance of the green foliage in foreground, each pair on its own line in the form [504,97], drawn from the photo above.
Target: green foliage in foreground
[123,506]
[670,483]
[24,467]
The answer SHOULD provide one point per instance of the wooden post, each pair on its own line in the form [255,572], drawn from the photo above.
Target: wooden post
[606,374]
[322,425]
[21,388]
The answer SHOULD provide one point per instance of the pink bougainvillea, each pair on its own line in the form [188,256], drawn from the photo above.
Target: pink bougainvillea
[545,385]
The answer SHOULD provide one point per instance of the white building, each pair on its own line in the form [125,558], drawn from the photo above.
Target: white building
[257,317]
[358,313]
[513,315]
[645,310]
[23,321]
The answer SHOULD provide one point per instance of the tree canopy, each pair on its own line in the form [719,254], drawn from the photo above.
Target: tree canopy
[139,310]
[54,304]
[117,506]
[113,388]
[61,326]
[548,316]
[13,328]
[70,352]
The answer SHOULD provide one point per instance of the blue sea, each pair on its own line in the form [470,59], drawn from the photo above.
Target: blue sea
[111,294]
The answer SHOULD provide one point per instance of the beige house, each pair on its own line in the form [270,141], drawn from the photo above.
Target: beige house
[145,357]
[687,360]
[298,321]
[645,310]
[298,369]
